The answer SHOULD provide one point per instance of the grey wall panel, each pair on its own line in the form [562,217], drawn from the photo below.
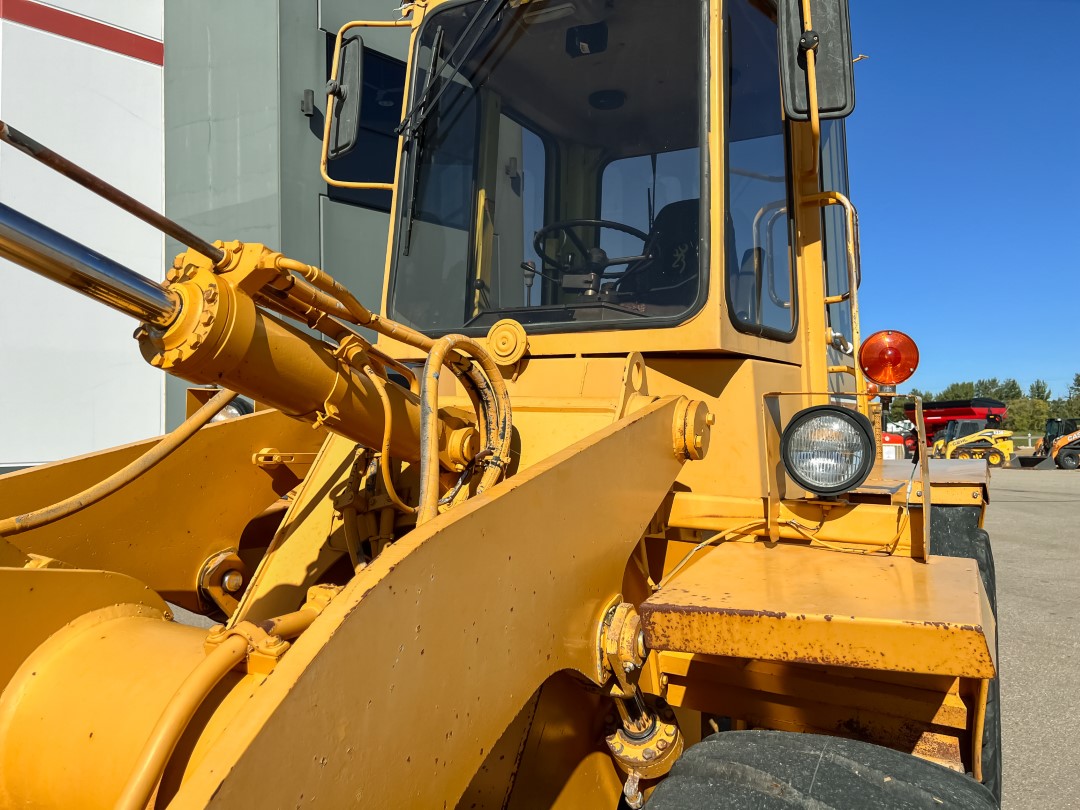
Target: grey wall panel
[302,67]
[392,41]
[221,118]
[354,248]
[241,158]
[222,145]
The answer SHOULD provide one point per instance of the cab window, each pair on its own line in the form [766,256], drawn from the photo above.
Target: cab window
[760,282]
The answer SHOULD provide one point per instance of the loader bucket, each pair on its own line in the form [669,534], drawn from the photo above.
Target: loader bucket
[1034,462]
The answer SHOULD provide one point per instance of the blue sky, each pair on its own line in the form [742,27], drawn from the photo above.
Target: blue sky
[965,167]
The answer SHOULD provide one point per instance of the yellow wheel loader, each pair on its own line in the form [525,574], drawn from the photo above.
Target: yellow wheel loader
[588,513]
[967,439]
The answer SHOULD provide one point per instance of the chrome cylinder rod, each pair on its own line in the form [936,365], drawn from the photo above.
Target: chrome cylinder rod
[36,247]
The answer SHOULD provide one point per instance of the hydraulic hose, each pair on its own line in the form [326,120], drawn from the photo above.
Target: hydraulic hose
[360,314]
[155,754]
[122,477]
[384,460]
[494,415]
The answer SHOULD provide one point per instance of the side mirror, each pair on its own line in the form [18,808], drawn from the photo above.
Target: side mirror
[830,39]
[343,94]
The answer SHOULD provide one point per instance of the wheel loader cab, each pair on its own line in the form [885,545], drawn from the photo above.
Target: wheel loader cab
[558,169]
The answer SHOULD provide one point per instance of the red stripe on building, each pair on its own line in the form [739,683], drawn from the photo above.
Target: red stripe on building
[72,26]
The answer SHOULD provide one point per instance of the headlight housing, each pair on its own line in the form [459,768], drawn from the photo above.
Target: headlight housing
[828,449]
[237,407]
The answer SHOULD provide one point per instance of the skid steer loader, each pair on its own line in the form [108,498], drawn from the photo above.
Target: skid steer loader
[1058,447]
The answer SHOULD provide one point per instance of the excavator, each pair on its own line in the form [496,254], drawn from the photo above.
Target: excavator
[587,512]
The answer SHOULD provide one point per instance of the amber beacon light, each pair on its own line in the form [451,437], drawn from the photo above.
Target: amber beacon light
[889,357]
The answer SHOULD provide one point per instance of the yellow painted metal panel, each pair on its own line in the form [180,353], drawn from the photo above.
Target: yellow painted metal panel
[162,527]
[45,599]
[789,603]
[397,692]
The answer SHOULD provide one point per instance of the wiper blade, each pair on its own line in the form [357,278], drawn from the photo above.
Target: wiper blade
[414,182]
[429,81]
[414,119]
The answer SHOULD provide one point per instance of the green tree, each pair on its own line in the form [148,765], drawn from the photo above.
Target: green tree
[1027,415]
[1039,390]
[1074,389]
[1065,409]
[1009,390]
[1004,390]
[896,409]
[961,390]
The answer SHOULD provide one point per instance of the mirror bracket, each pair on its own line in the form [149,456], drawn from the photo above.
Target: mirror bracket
[344,92]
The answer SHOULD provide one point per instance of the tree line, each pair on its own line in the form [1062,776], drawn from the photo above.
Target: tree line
[1028,412]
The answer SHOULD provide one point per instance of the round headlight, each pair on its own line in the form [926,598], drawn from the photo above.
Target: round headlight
[828,449]
[238,407]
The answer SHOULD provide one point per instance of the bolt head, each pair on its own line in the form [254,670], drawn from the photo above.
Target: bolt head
[232,581]
[648,754]
[662,745]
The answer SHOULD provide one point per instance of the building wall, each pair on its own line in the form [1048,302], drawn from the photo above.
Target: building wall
[83,77]
[242,157]
[217,140]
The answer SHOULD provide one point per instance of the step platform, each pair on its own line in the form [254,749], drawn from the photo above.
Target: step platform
[784,602]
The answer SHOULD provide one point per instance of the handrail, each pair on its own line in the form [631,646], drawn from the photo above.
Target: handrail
[821,200]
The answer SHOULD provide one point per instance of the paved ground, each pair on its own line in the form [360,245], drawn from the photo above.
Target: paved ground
[1034,525]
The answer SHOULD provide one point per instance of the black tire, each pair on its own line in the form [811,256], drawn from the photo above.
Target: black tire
[763,770]
[1068,459]
[995,458]
[955,532]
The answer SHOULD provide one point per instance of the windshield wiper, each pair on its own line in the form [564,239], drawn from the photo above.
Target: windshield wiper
[414,119]
[414,182]
[412,126]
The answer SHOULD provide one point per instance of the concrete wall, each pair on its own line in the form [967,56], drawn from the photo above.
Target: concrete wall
[71,378]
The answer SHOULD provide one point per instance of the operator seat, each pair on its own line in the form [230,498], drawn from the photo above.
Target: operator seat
[669,276]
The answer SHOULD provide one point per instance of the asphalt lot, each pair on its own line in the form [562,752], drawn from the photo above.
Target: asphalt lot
[1034,525]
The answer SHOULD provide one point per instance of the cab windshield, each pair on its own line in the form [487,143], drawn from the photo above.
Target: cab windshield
[552,167]
[962,428]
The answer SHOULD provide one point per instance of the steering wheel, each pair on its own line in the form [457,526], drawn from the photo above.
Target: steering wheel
[594,257]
